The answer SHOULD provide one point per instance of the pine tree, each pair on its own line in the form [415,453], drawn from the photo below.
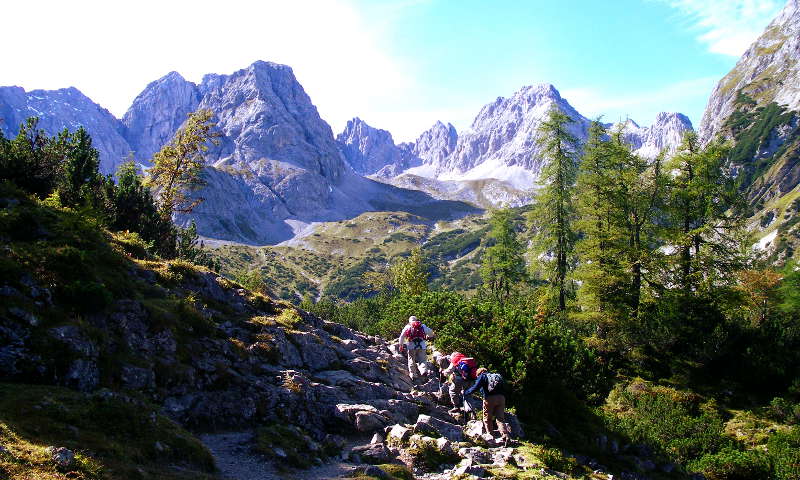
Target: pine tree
[178,165]
[135,210]
[553,215]
[80,179]
[503,263]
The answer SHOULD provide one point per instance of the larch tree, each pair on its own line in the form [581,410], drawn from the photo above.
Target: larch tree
[177,167]
[553,214]
[503,263]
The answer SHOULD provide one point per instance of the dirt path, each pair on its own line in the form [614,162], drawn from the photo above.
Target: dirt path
[235,461]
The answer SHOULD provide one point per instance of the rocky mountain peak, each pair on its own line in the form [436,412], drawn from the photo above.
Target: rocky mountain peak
[503,140]
[769,71]
[158,112]
[436,143]
[370,150]
[65,108]
[665,134]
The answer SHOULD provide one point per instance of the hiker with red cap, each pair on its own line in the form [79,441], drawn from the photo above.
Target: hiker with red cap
[413,341]
[462,372]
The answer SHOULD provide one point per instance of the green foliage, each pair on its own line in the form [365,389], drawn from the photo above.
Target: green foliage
[410,275]
[503,262]
[553,215]
[189,247]
[116,435]
[678,424]
[177,166]
[80,182]
[784,452]
[732,464]
[753,130]
[32,160]
[133,209]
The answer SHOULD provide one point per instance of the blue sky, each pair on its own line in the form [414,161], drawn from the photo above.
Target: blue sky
[398,64]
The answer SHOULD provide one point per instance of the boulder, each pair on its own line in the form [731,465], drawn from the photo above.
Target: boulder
[476,455]
[137,378]
[473,470]
[364,418]
[370,471]
[438,428]
[62,457]
[399,434]
[503,456]
[374,454]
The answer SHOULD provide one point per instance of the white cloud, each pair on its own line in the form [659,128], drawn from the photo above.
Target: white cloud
[640,106]
[112,50]
[727,27]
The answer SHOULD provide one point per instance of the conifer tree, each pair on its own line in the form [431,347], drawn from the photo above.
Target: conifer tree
[80,177]
[178,165]
[600,269]
[704,228]
[503,263]
[554,214]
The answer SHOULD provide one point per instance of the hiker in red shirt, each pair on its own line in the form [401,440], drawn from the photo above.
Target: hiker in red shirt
[413,341]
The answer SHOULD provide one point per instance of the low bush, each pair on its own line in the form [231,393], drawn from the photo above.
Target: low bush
[732,464]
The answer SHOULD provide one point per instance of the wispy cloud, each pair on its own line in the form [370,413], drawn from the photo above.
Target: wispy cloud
[726,27]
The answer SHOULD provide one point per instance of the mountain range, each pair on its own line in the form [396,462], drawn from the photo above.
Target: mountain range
[279,167]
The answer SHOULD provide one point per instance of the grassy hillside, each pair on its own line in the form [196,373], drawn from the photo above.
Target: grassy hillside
[331,261]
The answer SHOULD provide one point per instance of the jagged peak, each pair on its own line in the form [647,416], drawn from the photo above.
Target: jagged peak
[665,117]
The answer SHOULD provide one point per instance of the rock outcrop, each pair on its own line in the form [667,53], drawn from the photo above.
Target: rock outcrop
[65,108]
[769,71]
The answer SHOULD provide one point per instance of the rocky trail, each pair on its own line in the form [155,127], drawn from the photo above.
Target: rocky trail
[236,461]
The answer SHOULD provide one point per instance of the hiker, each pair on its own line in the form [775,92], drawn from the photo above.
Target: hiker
[462,372]
[413,341]
[492,388]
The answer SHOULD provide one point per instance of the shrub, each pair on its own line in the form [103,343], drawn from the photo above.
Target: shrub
[784,453]
[87,296]
[676,423]
[732,464]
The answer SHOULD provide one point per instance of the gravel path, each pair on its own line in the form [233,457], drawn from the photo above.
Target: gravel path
[235,461]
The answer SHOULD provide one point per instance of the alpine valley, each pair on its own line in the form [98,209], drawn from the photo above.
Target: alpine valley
[637,330]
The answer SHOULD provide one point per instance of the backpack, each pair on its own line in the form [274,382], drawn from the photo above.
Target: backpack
[467,366]
[456,357]
[493,381]
[416,334]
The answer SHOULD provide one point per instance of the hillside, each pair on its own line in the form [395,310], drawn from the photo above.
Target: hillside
[330,259]
[128,366]
[755,106]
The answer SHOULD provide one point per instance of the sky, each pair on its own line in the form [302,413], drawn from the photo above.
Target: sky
[400,65]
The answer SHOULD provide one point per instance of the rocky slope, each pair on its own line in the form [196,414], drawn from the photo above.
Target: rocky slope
[756,107]
[65,108]
[769,71]
[203,351]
